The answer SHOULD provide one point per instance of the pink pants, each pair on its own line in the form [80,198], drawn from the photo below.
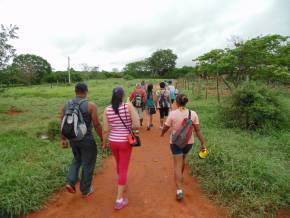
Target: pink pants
[122,152]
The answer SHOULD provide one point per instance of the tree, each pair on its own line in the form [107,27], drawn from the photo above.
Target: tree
[7,51]
[162,62]
[137,68]
[266,57]
[32,68]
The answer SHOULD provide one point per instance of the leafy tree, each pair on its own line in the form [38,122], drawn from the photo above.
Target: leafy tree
[265,57]
[162,62]
[32,68]
[137,68]
[7,51]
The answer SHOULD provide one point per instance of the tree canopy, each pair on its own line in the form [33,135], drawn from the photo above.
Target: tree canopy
[263,57]
[32,68]
[7,51]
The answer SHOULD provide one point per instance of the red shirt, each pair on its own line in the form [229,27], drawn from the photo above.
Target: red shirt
[138,91]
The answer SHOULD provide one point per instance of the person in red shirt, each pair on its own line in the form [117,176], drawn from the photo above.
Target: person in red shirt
[138,99]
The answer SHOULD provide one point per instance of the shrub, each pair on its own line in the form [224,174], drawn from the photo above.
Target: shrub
[128,77]
[254,107]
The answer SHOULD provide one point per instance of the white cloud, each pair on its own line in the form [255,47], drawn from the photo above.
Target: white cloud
[112,33]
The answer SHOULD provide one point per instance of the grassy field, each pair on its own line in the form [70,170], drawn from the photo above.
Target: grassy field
[248,172]
[32,168]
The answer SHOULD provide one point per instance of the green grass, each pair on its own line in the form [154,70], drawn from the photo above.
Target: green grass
[32,169]
[245,171]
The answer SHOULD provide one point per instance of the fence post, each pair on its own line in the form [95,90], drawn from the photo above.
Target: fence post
[217,87]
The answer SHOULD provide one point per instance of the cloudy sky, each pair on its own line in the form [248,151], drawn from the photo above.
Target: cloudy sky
[111,33]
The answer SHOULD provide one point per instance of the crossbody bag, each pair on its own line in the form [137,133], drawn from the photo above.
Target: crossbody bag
[133,139]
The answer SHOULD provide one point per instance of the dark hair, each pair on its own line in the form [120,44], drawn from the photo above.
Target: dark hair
[170,82]
[162,85]
[81,88]
[117,98]
[149,91]
[181,99]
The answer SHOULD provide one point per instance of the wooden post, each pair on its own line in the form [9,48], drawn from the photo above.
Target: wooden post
[217,87]
[206,88]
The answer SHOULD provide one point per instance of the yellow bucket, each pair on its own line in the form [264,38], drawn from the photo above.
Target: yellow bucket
[203,154]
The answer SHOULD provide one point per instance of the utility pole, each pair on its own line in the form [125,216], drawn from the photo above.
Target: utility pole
[68,69]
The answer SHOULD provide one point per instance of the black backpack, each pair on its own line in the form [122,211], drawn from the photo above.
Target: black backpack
[73,126]
[162,100]
[138,101]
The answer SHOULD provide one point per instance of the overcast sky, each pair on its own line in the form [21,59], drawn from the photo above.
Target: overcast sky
[111,33]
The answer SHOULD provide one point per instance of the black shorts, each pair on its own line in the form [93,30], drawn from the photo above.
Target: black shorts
[172,101]
[163,112]
[178,151]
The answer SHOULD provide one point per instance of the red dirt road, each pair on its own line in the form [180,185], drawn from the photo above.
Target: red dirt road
[151,190]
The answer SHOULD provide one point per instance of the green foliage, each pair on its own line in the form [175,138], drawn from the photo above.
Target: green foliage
[265,57]
[245,171]
[128,77]
[35,168]
[255,107]
[162,61]
[182,72]
[7,51]
[32,68]
[137,69]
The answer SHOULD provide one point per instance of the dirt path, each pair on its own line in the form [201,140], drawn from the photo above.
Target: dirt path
[151,191]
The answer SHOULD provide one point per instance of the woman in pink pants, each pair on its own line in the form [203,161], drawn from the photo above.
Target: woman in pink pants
[117,133]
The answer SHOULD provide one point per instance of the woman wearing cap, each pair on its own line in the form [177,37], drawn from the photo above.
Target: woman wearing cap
[116,116]
[174,121]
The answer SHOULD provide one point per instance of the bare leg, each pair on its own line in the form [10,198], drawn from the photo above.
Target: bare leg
[161,122]
[148,119]
[183,163]
[120,191]
[151,119]
[178,164]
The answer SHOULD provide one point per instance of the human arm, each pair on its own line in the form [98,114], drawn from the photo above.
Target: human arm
[200,136]
[167,125]
[132,96]
[164,130]
[95,119]
[106,129]
[64,141]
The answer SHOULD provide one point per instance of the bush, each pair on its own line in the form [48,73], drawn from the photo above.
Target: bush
[254,107]
[128,77]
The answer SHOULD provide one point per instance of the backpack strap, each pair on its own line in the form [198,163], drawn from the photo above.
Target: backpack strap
[189,114]
[130,130]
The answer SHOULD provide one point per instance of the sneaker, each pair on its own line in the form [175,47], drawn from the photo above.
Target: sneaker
[89,193]
[148,128]
[179,196]
[119,206]
[151,125]
[70,189]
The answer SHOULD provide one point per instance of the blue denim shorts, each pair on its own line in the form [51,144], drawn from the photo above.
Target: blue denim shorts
[177,150]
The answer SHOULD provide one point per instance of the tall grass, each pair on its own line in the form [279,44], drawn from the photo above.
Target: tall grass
[32,168]
[245,171]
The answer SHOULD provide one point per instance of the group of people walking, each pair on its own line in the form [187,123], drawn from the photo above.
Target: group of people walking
[144,98]
[121,119]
